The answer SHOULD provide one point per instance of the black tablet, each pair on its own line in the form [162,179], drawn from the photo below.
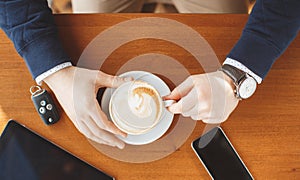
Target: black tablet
[26,155]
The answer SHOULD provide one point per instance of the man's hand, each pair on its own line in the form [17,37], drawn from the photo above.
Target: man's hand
[75,89]
[207,97]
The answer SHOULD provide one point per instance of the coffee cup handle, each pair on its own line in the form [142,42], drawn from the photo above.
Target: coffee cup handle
[168,103]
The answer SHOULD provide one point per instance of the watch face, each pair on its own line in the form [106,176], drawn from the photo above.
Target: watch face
[247,88]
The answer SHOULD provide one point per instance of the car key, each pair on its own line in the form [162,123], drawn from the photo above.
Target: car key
[44,105]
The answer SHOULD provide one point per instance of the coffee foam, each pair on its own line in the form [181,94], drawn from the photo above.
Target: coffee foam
[142,99]
[136,107]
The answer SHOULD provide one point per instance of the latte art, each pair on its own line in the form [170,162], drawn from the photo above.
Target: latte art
[135,107]
[143,101]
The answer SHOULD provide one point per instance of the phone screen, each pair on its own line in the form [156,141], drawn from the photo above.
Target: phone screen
[219,157]
[26,155]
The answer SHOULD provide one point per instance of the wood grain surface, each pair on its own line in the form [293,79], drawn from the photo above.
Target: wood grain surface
[264,129]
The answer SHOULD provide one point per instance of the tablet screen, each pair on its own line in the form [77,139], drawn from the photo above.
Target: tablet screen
[26,155]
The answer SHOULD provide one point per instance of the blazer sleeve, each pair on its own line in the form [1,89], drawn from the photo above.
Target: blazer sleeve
[271,27]
[30,26]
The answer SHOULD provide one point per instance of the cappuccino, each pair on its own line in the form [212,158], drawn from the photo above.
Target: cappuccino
[135,107]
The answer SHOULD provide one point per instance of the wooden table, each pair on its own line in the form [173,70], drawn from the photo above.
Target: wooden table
[264,129]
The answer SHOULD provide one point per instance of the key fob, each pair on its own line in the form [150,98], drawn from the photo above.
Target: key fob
[44,105]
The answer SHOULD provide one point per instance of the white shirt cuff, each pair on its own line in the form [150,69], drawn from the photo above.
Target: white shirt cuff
[242,67]
[51,71]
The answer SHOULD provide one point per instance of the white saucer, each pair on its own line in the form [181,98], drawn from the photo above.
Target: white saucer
[167,117]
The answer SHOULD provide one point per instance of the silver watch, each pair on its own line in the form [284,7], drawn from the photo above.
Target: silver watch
[244,83]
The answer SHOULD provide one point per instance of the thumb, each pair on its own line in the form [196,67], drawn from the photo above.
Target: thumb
[110,81]
[176,108]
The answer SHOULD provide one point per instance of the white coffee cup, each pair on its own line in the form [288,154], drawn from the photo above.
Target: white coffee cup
[136,107]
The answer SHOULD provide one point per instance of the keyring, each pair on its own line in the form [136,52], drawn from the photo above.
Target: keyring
[32,88]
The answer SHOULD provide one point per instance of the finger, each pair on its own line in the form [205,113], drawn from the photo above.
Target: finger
[196,117]
[176,108]
[213,120]
[107,80]
[101,120]
[103,135]
[101,141]
[186,103]
[88,134]
[181,90]
[207,116]
[201,108]
[199,117]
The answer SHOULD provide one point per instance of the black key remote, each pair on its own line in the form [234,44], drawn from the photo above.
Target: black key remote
[44,105]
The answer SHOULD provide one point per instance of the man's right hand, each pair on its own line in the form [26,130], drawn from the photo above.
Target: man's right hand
[84,111]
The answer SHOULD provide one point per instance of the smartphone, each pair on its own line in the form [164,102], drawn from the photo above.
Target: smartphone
[219,157]
[26,155]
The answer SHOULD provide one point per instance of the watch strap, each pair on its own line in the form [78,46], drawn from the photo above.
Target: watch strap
[234,73]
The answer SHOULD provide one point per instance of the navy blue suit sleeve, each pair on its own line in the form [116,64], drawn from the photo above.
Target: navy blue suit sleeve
[30,25]
[271,27]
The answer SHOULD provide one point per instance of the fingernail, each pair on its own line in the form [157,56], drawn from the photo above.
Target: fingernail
[170,109]
[165,97]
[123,135]
[173,109]
[121,146]
[128,79]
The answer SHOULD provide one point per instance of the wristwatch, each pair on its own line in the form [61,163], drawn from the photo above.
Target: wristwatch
[245,85]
